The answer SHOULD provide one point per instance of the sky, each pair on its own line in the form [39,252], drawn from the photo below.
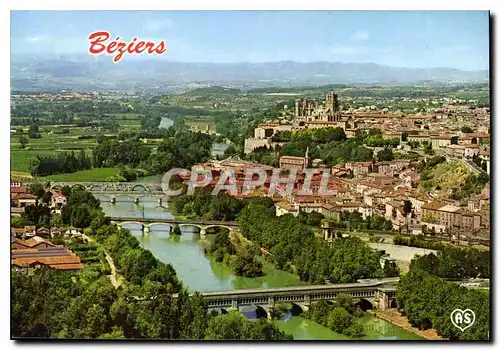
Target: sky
[454,39]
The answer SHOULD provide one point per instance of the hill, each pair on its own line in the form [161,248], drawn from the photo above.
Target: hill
[100,73]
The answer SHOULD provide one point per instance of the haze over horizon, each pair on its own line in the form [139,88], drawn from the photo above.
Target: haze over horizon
[406,39]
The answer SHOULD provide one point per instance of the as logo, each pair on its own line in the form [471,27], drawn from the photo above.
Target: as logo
[463,319]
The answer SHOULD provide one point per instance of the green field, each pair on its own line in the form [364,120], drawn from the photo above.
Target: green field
[52,143]
[20,158]
[97,174]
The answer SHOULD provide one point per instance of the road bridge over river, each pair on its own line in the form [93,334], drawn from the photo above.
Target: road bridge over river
[376,293]
[117,191]
[112,187]
[202,225]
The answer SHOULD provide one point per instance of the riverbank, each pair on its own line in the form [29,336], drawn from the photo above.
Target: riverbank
[394,317]
[201,273]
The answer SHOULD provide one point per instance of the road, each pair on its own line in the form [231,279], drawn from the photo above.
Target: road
[115,281]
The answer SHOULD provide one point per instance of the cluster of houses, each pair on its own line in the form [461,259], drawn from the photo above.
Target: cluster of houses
[37,252]
[31,247]
[439,127]
[369,188]
[44,232]
[383,187]
[20,198]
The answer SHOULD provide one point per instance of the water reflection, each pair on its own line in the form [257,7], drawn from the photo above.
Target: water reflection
[166,122]
[218,149]
[124,206]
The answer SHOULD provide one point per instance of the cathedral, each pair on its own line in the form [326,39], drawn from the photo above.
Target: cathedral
[307,111]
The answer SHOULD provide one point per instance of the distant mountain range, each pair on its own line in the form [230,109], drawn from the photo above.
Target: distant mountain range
[100,73]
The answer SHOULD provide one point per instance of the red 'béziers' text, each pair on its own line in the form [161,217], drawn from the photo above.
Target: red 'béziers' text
[99,44]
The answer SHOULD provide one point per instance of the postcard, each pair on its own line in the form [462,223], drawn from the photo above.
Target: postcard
[250,175]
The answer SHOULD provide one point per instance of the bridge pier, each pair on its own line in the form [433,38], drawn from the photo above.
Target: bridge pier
[307,301]
[159,202]
[203,232]
[144,228]
[384,299]
[270,304]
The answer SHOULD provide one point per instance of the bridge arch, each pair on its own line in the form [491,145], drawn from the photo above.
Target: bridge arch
[219,226]
[261,312]
[171,226]
[131,222]
[191,225]
[80,186]
[218,311]
[297,309]
[365,304]
[136,187]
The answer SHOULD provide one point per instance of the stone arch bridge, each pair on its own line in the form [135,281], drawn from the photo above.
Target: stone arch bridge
[113,187]
[202,225]
[379,293]
[117,190]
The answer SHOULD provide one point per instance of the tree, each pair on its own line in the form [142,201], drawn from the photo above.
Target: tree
[80,216]
[385,155]
[346,302]
[355,330]
[339,319]
[275,312]
[38,214]
[234,326]
[466,129]
[391,269]
[33,132]
[36,189]
[245,264]
[23,140]
[230,151]
[176,230]
[407,209]
[420,295]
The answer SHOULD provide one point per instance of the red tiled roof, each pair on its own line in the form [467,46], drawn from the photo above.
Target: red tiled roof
[47,260]
[434,205]
[20,189]
[34,241]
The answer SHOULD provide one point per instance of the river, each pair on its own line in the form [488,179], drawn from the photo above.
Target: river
[198,272]
[166,123]
[218,149]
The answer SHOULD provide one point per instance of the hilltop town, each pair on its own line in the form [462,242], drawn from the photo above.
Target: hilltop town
[453,134]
